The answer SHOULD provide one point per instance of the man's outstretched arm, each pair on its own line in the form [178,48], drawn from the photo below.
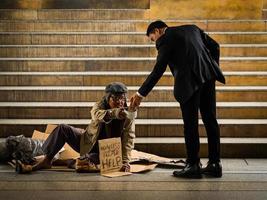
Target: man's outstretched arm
[154,76]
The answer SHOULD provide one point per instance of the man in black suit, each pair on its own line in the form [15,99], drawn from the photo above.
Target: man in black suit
[193,58]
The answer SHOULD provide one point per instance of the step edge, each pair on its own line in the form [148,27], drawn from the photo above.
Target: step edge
[101,88]
[121,33]
[137,20]
[244,58]
[180,140]
[119,73]
[117,46]
[144,104]
[138,121]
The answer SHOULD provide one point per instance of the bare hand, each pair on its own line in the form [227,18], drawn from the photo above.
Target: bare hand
[126,167]
[122,114]
[135,101]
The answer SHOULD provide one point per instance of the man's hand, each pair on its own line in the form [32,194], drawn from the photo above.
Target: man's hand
[122,114]
[126,167]
[115,113]
[135,101]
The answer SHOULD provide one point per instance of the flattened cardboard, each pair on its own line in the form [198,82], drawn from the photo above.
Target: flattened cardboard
[69,153]
[39,135]
[136,168]
[142,156]
[50,127]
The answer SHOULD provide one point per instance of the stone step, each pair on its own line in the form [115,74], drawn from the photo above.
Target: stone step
[158,9]
[239,37]
[148,110]
[234,128]
[102,78]
[242,177]
[44,38]
[126,25]
[230,147]
[73,38]
[79,14]
[116,64]
[77,4]
[91,93]
[73,14]
[116,50]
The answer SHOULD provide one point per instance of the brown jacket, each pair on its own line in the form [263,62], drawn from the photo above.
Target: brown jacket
[89,137]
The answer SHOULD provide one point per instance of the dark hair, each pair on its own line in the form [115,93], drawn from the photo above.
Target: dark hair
[156,24]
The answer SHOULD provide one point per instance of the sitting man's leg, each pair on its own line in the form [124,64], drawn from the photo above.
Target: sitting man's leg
[61,134]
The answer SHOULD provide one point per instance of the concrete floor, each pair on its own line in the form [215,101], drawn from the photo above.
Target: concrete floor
[244,179]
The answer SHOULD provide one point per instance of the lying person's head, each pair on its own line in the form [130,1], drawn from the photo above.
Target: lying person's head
[116,95]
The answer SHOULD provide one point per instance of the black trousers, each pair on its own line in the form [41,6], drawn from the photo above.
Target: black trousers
[62,134]
[204,99]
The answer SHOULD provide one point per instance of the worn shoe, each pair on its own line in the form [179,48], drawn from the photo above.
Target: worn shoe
[213,169]
[83,166]
[189,171]
[22,168]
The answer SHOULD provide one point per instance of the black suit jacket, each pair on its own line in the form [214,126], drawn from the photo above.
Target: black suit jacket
[192,56]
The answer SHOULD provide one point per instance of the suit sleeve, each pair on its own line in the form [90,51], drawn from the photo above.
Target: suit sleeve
[212,46]
[158,70]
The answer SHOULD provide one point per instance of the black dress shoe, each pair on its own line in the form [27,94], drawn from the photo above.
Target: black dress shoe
[189,171]
[213,169]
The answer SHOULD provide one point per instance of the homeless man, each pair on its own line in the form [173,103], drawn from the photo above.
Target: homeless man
[109,119]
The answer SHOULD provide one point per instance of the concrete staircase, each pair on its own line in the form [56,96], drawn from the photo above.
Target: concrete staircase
[55,63]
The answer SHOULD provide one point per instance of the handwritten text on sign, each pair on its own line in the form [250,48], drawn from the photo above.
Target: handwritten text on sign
[110,155]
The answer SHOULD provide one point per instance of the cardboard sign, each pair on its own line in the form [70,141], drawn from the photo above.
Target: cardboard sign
[110,155]
[116,174]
